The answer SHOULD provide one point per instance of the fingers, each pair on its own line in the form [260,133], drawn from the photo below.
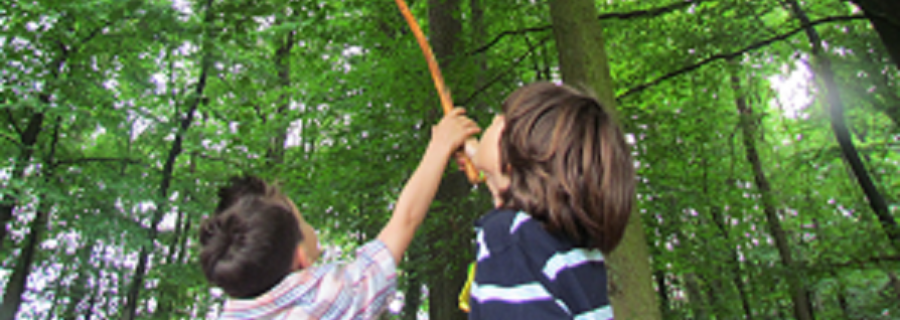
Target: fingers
[453,130]
[458,111]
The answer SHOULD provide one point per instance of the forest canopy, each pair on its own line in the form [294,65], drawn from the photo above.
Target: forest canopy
[765,135]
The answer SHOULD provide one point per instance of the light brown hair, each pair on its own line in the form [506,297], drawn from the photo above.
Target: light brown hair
[568,163]
[248,245]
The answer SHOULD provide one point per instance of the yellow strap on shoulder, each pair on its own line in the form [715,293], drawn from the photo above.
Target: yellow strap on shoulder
[467,289]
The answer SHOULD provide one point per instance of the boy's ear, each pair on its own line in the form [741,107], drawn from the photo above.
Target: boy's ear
[301,260]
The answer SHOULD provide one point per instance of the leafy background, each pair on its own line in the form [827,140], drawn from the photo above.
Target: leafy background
[119,118]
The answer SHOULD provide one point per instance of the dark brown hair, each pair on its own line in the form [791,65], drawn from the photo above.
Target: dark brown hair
[568,163]
[248,244]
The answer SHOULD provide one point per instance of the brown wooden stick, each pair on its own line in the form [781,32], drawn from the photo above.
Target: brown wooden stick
[443,92]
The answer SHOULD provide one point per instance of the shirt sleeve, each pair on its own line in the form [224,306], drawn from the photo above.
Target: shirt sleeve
[361,289]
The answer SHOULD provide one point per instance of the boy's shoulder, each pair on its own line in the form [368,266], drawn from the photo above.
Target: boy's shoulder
[502,228]
[330,287]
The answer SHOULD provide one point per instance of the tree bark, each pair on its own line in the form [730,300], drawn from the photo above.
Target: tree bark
[733,262]
[446,280]
[825,74]
[413,297]
[134,290]
[283,69]
[583,62]
[800,299]
[885,18]
[660,277]
[28,140]
[695,297]
[18,281]
[78,289]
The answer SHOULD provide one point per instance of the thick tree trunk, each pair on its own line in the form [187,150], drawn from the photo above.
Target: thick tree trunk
[446,280]
[822,65]
[137,282]
[800,299]
[583,61]
[885,18]
[449,261]
[445,28]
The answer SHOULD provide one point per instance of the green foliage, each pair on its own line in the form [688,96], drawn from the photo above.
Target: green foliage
[108,84]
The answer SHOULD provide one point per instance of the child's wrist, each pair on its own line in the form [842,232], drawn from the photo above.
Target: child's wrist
[443,149]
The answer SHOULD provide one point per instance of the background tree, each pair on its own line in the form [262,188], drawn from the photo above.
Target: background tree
[120,118]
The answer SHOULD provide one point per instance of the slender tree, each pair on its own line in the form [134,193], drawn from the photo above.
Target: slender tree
[825,74]
[184,121]
[794,274]
[18,282]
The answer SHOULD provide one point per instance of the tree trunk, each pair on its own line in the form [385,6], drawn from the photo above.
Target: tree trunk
[660,277]
[583,62]
[275,153]
[885,18]
[134,290]
[413,297]
[28,139]
[18,281]
[448,275]
[78,289]
[89,310]
[894,283]
[822,65]
[695,297]
[733,262]
[800,299]
[445,28]
[446,280]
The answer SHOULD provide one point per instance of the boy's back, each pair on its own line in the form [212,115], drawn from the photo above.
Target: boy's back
[524,272]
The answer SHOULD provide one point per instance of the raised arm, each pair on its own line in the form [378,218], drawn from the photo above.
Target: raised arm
[410,209]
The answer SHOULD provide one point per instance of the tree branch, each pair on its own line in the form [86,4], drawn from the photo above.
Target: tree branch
[647,13]
[723,56]
[503,34]
[67,162]
[497,78]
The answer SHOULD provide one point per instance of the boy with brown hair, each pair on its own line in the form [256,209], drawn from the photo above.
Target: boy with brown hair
[563,183]
[258,248]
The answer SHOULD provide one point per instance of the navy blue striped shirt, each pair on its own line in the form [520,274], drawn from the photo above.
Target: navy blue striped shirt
[524,272]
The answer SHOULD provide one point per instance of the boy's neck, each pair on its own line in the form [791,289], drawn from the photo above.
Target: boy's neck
[497,186]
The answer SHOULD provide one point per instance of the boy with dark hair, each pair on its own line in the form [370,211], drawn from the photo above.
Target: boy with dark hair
[563,183]
[258,248]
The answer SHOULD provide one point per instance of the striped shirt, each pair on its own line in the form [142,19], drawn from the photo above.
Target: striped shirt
[360,289]
[524,272]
